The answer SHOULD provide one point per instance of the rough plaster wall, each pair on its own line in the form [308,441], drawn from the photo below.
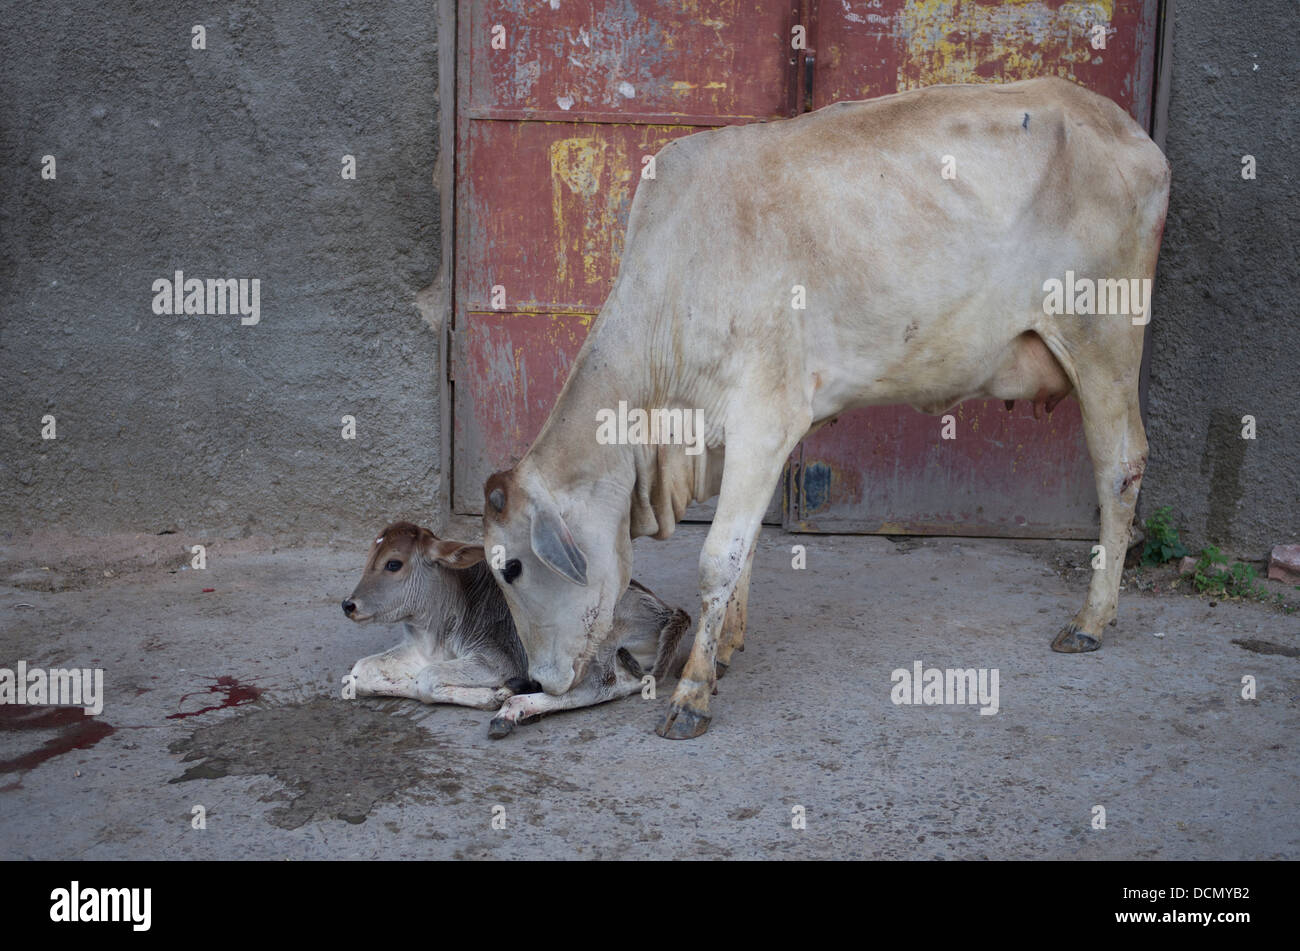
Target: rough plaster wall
[220,163]
[225,163]
[1226,327]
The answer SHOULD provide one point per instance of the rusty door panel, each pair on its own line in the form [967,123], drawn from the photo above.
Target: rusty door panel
[869,48]
[515,364]
[550,204]
[886,469]
[704,63]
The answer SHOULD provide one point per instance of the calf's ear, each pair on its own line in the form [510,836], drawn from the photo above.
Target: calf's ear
[553,543]
[457,555]
[460,557]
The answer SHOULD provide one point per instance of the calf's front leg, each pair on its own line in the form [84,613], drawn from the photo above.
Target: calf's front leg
[391,673]
[466,682]
[593,690]
[405,671]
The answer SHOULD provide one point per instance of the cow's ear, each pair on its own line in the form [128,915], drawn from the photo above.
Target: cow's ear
[553,543]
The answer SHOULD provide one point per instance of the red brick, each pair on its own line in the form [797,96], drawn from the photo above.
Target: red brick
[1284,564]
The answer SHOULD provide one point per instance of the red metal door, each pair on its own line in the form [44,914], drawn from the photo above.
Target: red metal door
[559,102]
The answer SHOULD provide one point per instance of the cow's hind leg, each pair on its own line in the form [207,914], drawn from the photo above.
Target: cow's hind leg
[733,626]
[1118,446]
[756,452]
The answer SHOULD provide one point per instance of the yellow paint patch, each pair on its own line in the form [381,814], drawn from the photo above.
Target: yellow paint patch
[948,41]
[577,166]
[681,87]
[578,163]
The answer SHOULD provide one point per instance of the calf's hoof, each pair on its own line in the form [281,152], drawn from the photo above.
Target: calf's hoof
[682,723]
[1072,640]
[720,668]
[500,728]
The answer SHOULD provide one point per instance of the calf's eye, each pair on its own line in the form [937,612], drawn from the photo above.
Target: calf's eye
[512,570]
[393,565]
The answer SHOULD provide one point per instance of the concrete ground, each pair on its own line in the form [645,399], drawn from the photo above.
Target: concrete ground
[229,700]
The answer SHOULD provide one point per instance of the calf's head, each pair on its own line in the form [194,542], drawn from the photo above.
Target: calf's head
[562,566]
[402,578]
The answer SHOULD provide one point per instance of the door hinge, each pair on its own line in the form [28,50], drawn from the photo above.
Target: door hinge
[452,353]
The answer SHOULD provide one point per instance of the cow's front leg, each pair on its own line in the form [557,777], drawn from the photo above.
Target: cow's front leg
[733,625]
[754,463]
[390,674]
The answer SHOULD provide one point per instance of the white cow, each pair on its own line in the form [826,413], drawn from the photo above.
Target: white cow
[920,288]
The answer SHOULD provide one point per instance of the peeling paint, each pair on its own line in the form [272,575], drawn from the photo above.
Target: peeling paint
[950,41]
[578,164]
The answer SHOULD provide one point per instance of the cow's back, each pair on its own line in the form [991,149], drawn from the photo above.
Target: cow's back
[852,204]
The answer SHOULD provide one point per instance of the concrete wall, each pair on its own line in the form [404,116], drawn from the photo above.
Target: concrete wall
[219,163]
[1226,327]
[225,163]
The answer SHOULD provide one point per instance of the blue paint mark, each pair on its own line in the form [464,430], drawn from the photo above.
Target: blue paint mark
[816,486]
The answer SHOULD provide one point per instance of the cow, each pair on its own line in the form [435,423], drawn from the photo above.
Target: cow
[919,288]
[460,644]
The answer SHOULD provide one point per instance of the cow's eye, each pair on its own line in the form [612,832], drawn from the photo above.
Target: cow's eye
[512,570]
[393,565]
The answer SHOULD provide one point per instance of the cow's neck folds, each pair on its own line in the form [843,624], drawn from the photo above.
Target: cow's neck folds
[657,482]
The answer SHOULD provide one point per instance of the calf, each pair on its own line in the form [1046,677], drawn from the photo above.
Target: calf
[461,645]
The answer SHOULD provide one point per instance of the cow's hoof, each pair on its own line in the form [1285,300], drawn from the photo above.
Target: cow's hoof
[682,723]
[720,669]
[1074,641]
[500,728]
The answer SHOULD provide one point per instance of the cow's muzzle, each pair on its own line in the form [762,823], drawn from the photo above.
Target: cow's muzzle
[554,681]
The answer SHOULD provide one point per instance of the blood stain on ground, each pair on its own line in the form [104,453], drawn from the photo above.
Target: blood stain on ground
[76,731]
[236,694]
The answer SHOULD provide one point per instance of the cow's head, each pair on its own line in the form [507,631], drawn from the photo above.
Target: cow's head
[403,577]
[563,562]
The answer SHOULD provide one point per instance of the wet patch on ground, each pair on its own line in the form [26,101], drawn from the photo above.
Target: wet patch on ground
[1267,647]
[339,759]
[335,759]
